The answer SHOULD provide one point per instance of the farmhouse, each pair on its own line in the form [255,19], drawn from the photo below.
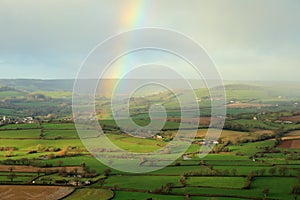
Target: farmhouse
[210,142]
[283,122]
[185,157]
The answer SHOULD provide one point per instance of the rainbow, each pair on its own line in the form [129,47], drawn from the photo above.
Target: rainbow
[132,16]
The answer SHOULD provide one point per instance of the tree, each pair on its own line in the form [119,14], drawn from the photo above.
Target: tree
[233,171]
[39,171]
[262,172]
[283,170]
[266,192]
[101,182]
[106,172]
[296,191]
[187,197]
[25,161]
[168,187]
[11,175]
[41,134]
[83,165]
[226,172]
[39,147]
[76,177]
[182,181]
[272,171]
[59,163]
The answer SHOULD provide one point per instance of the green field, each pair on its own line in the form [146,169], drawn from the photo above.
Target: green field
[246,161]
[148,183]
[88,194]
[221,182]
[20,134]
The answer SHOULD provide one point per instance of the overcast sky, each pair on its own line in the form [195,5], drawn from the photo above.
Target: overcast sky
[248,40]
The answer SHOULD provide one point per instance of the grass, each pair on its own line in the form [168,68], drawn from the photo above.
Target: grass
[66,135]
[134,144]
[213,192]
[236,136]
[242,170]
[251,148]
[17,178]
[56,94]
[64,126]
[224,157]
[60,134]
[20,134]
[32,144]
[90,161]
[279,187]
[19,126]
[11,94]
[89,194]
[55,177]
[177,170]
[141,122]
[141,182]
[138,195]
[222,182]
[253,123]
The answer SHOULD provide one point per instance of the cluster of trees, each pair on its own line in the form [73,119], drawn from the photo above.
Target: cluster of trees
[40,148]
[182,181]
[68,151]
[211,172]
[220,148]
[167,188]
[293,155]
[22,161]
[87,172]
[8,148]
[249,181]
[295,191]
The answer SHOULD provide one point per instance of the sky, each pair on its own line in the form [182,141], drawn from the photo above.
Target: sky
[247,40]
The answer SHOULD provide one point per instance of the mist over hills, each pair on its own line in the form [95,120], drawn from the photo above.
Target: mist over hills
[32,85]
[67,84]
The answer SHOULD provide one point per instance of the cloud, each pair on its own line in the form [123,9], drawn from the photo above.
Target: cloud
[57,35]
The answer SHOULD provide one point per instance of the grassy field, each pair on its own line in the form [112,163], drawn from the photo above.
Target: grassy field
[88,194]
[233,166]
[221,182]
[279,187]
[133,144]
[148,183]
[19,126]
[34,192]
[20,134]
[139,195]
[60,134]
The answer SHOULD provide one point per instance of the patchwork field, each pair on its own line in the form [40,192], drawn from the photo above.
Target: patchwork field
[59,160]
[89,194]
[33,192]
[293,144]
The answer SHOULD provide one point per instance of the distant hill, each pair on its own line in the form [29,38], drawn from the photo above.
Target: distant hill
[233,89]
[8,92]
[31,85]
